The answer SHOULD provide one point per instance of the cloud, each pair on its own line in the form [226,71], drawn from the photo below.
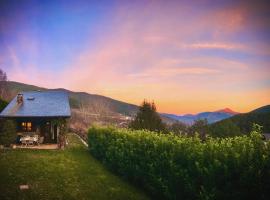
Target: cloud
[169,72]
[157,51]
[207,45]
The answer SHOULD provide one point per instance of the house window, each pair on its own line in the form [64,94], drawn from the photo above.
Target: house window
[27,126]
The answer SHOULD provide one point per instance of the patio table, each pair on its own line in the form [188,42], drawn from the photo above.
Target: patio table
[29,139]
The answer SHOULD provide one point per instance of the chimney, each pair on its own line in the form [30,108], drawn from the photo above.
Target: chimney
[19,98]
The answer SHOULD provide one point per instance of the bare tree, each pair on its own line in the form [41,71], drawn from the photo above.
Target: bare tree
[3,84]
[94,109]
[100,107]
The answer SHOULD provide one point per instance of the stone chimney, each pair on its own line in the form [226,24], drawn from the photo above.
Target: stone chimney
[19,98]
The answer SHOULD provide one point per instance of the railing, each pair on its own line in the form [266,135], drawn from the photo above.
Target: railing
[82,134]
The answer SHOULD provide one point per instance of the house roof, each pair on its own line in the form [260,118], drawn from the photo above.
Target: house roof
[39,104]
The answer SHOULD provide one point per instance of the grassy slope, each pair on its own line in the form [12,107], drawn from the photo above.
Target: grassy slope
[56,174]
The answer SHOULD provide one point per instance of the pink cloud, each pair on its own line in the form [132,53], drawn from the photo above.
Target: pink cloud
[149,55]
[209,45]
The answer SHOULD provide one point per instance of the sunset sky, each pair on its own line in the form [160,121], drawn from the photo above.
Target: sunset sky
[187,56]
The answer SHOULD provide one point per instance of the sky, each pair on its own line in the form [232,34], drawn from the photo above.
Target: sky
[186,56]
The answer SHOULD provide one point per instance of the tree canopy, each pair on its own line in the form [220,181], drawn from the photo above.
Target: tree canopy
[3,104]
[147,118]
[3,84]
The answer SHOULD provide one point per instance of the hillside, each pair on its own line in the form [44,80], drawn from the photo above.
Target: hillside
[81,99]
[261,110]
[88,108]
[211,117]
[242,123]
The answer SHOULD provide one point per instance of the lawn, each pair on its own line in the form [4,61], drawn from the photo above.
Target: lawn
[60,174]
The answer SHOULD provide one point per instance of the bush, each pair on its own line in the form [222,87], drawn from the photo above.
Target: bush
[3,104]
[7,132]
[181,167]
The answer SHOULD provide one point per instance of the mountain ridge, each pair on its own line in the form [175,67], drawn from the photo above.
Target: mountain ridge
[211,117]
[242,123]
[93,104]
[228,110]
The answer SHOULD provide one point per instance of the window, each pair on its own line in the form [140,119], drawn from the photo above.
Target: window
[27,126]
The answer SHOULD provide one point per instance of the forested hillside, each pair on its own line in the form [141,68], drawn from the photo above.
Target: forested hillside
[242,123]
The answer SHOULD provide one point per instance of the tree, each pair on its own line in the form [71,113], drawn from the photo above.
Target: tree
[3,104]
[148,118]
[178,128]
[62,124]
[200,126]
[7,132]
[225,129]
[3,84]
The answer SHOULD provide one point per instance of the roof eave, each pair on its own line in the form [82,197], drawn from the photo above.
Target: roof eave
[9,116]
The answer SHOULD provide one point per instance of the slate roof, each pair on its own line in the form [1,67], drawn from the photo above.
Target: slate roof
[39,104]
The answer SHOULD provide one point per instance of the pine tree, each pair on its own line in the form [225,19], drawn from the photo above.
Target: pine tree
[148,118]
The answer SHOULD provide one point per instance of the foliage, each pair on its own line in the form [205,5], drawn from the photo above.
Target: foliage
[3,104]
[147,118]
[225,129]
[3,75]
[181,167]
[63,129]
[3,84]
[74,103]
[242,123]
[62,124]
[178,128]
[7,132]
[200,126]
[52,174]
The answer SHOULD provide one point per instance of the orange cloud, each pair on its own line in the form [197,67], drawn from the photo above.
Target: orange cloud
[226,46]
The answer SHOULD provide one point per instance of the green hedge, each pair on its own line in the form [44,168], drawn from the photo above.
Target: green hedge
[173,167]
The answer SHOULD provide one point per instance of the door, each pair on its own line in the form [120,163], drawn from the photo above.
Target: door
[46,132]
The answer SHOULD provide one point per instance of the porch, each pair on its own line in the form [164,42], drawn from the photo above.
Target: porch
[36,131]
[41,146]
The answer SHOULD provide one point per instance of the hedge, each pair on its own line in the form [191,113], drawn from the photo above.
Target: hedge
[181,167]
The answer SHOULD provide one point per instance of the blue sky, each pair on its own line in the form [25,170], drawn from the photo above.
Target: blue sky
[188,56]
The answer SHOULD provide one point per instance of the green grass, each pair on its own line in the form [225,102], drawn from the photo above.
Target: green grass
[60,174]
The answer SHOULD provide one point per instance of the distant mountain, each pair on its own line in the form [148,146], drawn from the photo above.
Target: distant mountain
[242,123]
[227,110]
[211,117]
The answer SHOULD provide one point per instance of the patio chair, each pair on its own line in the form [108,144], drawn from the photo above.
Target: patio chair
[24,142]
[30,142]
[35,139]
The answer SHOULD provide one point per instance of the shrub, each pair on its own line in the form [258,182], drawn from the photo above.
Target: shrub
[3,104]
[7,132]
[181,167]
